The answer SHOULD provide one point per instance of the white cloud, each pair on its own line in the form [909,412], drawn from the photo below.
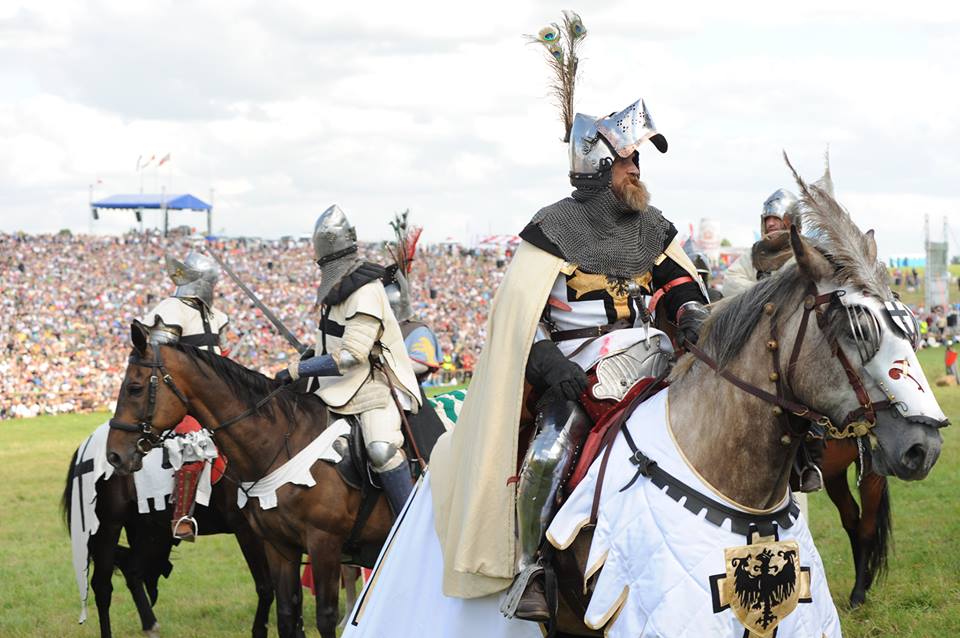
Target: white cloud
[287,107]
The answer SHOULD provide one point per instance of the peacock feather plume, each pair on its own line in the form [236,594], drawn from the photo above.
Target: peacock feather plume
[561,43]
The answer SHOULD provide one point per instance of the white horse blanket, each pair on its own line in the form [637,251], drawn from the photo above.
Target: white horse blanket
[153,483]
[408,576]
[657,561]
[658,558]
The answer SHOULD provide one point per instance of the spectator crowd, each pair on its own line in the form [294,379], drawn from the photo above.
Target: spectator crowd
[68,302]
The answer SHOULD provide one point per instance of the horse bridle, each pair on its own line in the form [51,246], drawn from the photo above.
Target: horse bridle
[151,438]
[857,423]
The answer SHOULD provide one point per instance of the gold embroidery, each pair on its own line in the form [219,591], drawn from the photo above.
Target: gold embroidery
[583,283]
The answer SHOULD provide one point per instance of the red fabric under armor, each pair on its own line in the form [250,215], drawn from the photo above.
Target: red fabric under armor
[189,424]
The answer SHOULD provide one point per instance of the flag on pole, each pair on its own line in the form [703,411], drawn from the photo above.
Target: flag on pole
[139,157]
[147,163]
[164,159]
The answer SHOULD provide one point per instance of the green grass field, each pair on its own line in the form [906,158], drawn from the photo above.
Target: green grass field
[210,592]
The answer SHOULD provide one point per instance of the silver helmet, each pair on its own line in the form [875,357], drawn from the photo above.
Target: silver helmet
[782,204]
[195,277]
[595,143]
[334,248]
[398,294]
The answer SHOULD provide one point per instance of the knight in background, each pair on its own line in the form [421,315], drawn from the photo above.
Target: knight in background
[767,256]
[772,251]
[571,299]
[362,367]
[191,313]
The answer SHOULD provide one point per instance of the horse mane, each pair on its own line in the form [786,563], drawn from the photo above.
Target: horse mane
[733,319]
[250,386]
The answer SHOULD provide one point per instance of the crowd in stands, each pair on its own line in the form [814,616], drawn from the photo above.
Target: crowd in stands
[68,302]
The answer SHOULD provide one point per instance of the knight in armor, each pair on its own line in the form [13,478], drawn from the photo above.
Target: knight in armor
[362,367]
[772,252]
[570,299]
[191,314]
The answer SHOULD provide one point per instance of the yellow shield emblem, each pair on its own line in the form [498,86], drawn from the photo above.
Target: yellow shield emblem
[762,584]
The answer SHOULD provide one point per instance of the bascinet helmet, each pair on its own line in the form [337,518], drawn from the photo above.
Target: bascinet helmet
[595,143]
[195,277]
[782,204]
[334,248]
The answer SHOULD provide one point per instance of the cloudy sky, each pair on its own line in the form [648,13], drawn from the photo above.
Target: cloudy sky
[284,107]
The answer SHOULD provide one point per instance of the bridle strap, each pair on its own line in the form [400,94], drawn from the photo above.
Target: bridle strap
[262,402]
[792,407]
[144,424]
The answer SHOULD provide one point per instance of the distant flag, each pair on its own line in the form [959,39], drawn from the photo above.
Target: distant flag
[139,157]
[147,163]
[164,159]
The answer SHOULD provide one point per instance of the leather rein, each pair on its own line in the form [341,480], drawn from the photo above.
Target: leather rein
[151,437]
[857,423]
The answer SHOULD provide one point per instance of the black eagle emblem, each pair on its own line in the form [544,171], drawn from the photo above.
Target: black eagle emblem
[762,586]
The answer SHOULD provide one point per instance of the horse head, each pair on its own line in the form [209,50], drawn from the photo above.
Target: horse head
[150,402]
[862,374]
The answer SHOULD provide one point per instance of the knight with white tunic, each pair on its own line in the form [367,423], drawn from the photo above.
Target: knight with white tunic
[362,367]
[190,313]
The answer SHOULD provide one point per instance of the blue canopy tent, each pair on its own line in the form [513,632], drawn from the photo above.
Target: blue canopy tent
[162,202]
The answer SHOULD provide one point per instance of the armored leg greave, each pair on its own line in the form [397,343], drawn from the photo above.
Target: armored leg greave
[185,492]
[561,427]
[398,484]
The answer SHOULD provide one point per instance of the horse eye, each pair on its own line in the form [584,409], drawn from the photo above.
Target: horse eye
[134,389]
[864,330]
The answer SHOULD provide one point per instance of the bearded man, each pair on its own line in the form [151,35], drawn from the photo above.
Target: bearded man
[190,313]
[772,251]
[571,297]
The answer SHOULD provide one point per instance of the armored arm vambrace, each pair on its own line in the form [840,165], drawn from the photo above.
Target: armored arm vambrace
[323,366]
[665,272]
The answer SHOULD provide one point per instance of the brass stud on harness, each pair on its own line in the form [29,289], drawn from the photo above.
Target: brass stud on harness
[774,377]
[785,440]
[772,344]
[809,302]
[768,308]
[777,410]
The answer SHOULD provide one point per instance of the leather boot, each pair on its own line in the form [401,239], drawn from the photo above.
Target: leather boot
[533,602]
[397,484]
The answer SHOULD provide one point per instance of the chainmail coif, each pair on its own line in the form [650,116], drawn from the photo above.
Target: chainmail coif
[602,235]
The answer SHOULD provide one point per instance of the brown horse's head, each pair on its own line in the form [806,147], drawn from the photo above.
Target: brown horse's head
[150,401]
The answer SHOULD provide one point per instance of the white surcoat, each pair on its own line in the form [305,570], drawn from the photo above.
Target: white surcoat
[347,326]
[194,321]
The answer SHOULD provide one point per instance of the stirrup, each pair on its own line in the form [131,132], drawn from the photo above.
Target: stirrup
[816,468]
[508,606]
[193,524]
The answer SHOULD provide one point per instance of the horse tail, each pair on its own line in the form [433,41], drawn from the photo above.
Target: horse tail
[66,502]
[878,551]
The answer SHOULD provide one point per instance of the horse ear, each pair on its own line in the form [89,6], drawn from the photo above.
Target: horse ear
[138,336]
[871,246]
[811,261]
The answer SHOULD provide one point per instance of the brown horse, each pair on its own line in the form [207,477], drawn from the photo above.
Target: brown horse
[150,542]
[793,335]
[258,425]
[869,525]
